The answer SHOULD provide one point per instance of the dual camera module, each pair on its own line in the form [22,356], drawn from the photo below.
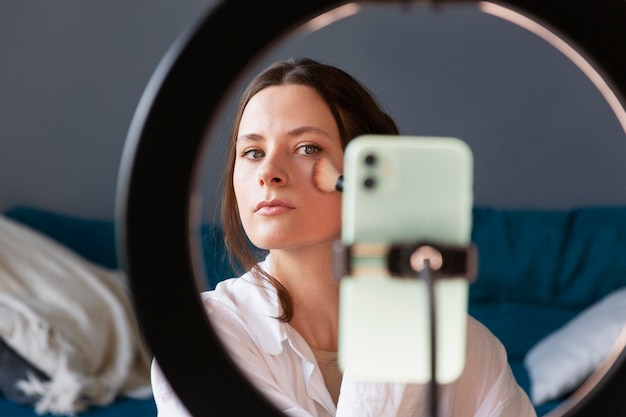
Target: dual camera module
[370,181]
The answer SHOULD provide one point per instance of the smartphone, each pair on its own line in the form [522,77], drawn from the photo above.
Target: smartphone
[403,189]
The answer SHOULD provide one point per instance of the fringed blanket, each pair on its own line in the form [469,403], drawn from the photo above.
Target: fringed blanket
[71,319]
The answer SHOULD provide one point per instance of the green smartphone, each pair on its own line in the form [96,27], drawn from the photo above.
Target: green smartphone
[403,189]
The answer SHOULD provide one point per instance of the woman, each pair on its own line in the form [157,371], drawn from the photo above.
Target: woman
[279,320]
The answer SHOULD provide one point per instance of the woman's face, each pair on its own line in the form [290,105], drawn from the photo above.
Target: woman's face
[283,131]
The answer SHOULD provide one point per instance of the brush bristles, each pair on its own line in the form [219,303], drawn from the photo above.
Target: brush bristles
[326,177]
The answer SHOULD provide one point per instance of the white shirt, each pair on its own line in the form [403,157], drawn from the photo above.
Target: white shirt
[282,366]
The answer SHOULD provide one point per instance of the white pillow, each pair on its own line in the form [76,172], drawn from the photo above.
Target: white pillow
[565,358]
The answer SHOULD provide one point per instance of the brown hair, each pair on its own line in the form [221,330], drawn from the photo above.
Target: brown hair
[356,113]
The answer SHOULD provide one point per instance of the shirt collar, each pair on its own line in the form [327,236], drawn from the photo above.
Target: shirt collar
[260,307]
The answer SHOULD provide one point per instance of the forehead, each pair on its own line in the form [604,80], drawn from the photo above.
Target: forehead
[286,106]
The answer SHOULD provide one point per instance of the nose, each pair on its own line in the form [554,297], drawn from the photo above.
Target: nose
[272,172]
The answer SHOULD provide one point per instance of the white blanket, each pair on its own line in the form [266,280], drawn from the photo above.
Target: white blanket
[70,318]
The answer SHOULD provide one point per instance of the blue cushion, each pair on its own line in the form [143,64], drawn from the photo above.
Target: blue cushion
[519,326]
[568,258]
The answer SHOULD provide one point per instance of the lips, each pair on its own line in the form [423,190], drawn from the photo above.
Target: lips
[273,207]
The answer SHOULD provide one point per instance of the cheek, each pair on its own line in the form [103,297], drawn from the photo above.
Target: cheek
[332,212]
[241,180]
[241,192]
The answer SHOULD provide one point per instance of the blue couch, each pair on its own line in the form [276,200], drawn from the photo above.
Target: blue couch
[537,270]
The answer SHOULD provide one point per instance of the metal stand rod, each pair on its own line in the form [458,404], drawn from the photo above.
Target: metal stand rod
[427,275]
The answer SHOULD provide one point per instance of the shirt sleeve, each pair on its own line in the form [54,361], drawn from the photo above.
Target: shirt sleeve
[487,384]
[486,388]
[167,402]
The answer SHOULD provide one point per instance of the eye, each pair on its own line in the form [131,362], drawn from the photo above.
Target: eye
[309,149]
[253,153]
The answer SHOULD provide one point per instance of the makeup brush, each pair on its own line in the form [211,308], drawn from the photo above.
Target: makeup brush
[326,177]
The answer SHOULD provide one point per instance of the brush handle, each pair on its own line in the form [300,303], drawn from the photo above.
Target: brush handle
[339,184]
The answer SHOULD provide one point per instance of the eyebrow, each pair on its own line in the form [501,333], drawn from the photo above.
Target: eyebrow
[308,129]
[249,136]
[293,133]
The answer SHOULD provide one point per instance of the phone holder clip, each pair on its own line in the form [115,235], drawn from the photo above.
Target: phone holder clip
[405,260]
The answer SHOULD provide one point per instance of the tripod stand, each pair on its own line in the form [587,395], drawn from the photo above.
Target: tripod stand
[427,262]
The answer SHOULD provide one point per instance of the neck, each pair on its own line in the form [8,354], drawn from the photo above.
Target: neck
[307,276]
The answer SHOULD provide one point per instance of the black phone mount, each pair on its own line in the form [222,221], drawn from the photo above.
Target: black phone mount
[405,260]
[426,261]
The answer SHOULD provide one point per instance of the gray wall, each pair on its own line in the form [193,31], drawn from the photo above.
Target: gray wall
[73,71]
[71,75]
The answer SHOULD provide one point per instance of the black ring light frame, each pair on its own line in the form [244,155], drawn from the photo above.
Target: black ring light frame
[158,169]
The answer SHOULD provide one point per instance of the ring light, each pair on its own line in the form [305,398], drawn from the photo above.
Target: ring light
[158,169]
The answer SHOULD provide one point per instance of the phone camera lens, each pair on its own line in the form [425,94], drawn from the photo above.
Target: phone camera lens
[369,183]
[370,160]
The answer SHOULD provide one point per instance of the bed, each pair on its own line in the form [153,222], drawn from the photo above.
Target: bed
[550,287]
